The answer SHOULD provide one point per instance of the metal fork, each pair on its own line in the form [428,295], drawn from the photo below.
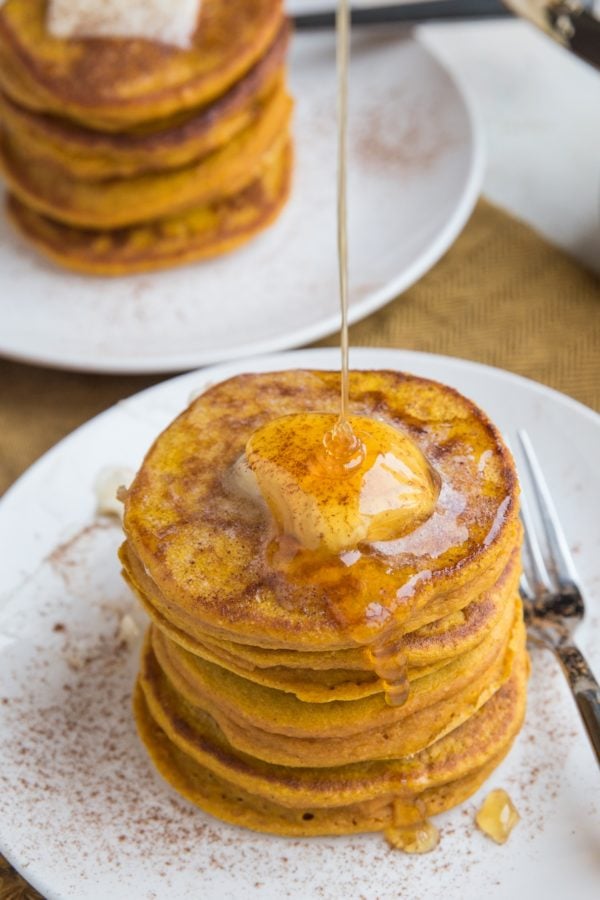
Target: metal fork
[552,599]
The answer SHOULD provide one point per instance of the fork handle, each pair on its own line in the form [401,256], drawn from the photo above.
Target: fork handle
[585,688]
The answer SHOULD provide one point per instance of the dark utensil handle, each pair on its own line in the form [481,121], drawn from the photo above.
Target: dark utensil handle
[586,690]
[579,30]
[573,23]
[406,12]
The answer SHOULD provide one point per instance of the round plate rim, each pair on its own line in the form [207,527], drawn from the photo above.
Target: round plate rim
[174,362]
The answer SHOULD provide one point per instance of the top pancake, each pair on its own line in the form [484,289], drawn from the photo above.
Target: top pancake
[207,549]
[87,154]
[112,84]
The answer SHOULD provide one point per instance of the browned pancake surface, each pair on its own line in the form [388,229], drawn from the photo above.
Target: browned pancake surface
[198,234]
[208,551]
[87,154]
[106,83]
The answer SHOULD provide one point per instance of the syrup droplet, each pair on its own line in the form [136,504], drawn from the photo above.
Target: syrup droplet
[343,449]
[421,837]
[343,23]
[497,816]
[388,660]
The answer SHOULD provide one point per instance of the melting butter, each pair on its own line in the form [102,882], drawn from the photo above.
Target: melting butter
[154,20]
[107,486]
[379,488]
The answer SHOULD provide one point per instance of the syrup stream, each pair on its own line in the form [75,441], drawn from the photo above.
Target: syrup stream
[386,653]
[341,442]
[343,41]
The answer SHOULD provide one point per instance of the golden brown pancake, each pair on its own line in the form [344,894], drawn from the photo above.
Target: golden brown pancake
[280,712]
[196,234]
[213,573]
[121,202]
[197,734]
[388,731]
[90,155]
[276,707]
[341,799]
[348,674]
[111,84]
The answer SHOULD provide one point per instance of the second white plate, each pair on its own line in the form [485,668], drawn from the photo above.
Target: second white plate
[415,171]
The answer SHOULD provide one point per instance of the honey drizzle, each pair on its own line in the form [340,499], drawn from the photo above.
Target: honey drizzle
[386,653]
[341,442]
[342,55]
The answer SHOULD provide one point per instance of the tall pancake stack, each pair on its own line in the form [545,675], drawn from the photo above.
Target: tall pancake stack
[253,699]
[128,155]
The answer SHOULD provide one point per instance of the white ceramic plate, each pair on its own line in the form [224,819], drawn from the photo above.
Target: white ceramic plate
[415,172]
[83,814]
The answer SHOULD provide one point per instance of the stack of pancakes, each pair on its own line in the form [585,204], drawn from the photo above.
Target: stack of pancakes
[253,699]
[127,155]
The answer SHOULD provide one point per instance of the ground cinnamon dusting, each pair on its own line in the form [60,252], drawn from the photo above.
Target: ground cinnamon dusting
[75,781]
[409,138]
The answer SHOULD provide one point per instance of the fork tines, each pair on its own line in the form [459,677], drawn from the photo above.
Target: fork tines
[562,568]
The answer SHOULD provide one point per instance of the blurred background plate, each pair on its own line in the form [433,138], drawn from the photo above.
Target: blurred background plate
[415,172]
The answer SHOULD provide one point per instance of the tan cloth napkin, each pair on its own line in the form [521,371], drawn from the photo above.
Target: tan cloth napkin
[501,295]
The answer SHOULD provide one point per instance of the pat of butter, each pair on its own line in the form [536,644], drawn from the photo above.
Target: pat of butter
[164,21]
[106,488]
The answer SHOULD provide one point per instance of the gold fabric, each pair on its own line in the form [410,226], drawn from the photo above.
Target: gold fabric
[502,295]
